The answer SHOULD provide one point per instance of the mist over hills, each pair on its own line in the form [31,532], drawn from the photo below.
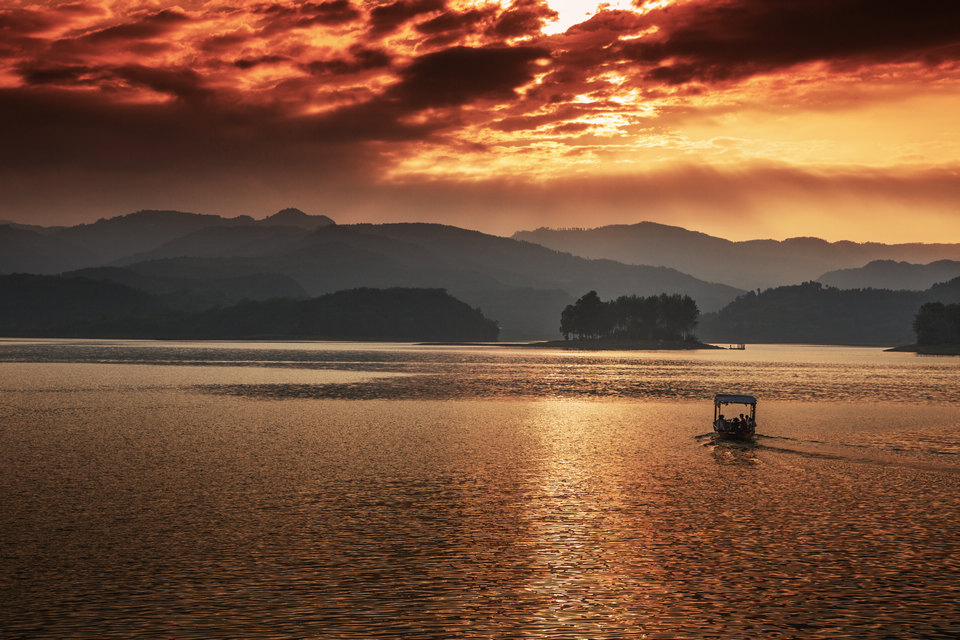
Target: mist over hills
[209,260]
[890,274]
[747,264]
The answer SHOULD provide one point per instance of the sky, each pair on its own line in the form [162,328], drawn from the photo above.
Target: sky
[739,118]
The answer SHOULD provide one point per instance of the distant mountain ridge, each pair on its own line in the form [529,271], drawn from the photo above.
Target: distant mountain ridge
[205,260]
[34,249]
[890,274]
[747,264]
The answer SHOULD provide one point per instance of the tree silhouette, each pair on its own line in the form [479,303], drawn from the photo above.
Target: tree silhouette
[937,324]
[662,317]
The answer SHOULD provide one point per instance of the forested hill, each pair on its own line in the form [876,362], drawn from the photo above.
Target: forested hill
[811,313]
[75,307]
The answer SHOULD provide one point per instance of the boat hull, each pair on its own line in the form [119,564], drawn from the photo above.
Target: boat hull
[729,432]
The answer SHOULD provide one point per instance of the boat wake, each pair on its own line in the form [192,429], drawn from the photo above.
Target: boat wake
[750,452]
[920,446]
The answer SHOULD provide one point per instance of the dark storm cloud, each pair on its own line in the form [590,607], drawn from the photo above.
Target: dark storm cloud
[26,21]
[332,12]
[226,41]
[361,59]
[178,82]
[150,26]
[182,83]
[455,21]
[61,127]
[282,16]
[35,20]
[388,17]
[460,75]
[250,63]
[22,30]
[58,74]
[444,79]
[718,41]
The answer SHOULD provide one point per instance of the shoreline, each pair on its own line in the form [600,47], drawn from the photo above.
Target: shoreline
[589,345]
[928,350]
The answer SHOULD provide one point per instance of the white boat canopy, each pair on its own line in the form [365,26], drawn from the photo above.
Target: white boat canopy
[732,398]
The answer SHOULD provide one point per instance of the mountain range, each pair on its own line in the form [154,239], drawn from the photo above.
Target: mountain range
[200,257]
[748,264]
[891,274]
[191,262]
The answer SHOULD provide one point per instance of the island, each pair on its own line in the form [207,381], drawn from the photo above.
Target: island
[937,326]
[664,321]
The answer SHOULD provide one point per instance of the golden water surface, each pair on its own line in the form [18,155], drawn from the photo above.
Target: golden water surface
[337,490]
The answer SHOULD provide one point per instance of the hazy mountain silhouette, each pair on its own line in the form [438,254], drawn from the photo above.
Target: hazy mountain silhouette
[44,306]
[201,291]
[748,264]
[291,217]
[25,250]
[811,313]
[219,242]
[890,274]
[523,285]
[111,239]
[30,227]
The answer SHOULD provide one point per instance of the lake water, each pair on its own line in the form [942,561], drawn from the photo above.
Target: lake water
[355,491]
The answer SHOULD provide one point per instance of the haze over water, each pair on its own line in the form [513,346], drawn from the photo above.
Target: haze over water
[337,490]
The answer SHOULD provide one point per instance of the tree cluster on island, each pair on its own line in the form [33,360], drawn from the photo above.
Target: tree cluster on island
[631,318]
[938,324]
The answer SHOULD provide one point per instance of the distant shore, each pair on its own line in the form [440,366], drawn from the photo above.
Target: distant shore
[591,345]
[930,350]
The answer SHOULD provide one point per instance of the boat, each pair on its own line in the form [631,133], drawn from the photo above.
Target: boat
[734,429]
